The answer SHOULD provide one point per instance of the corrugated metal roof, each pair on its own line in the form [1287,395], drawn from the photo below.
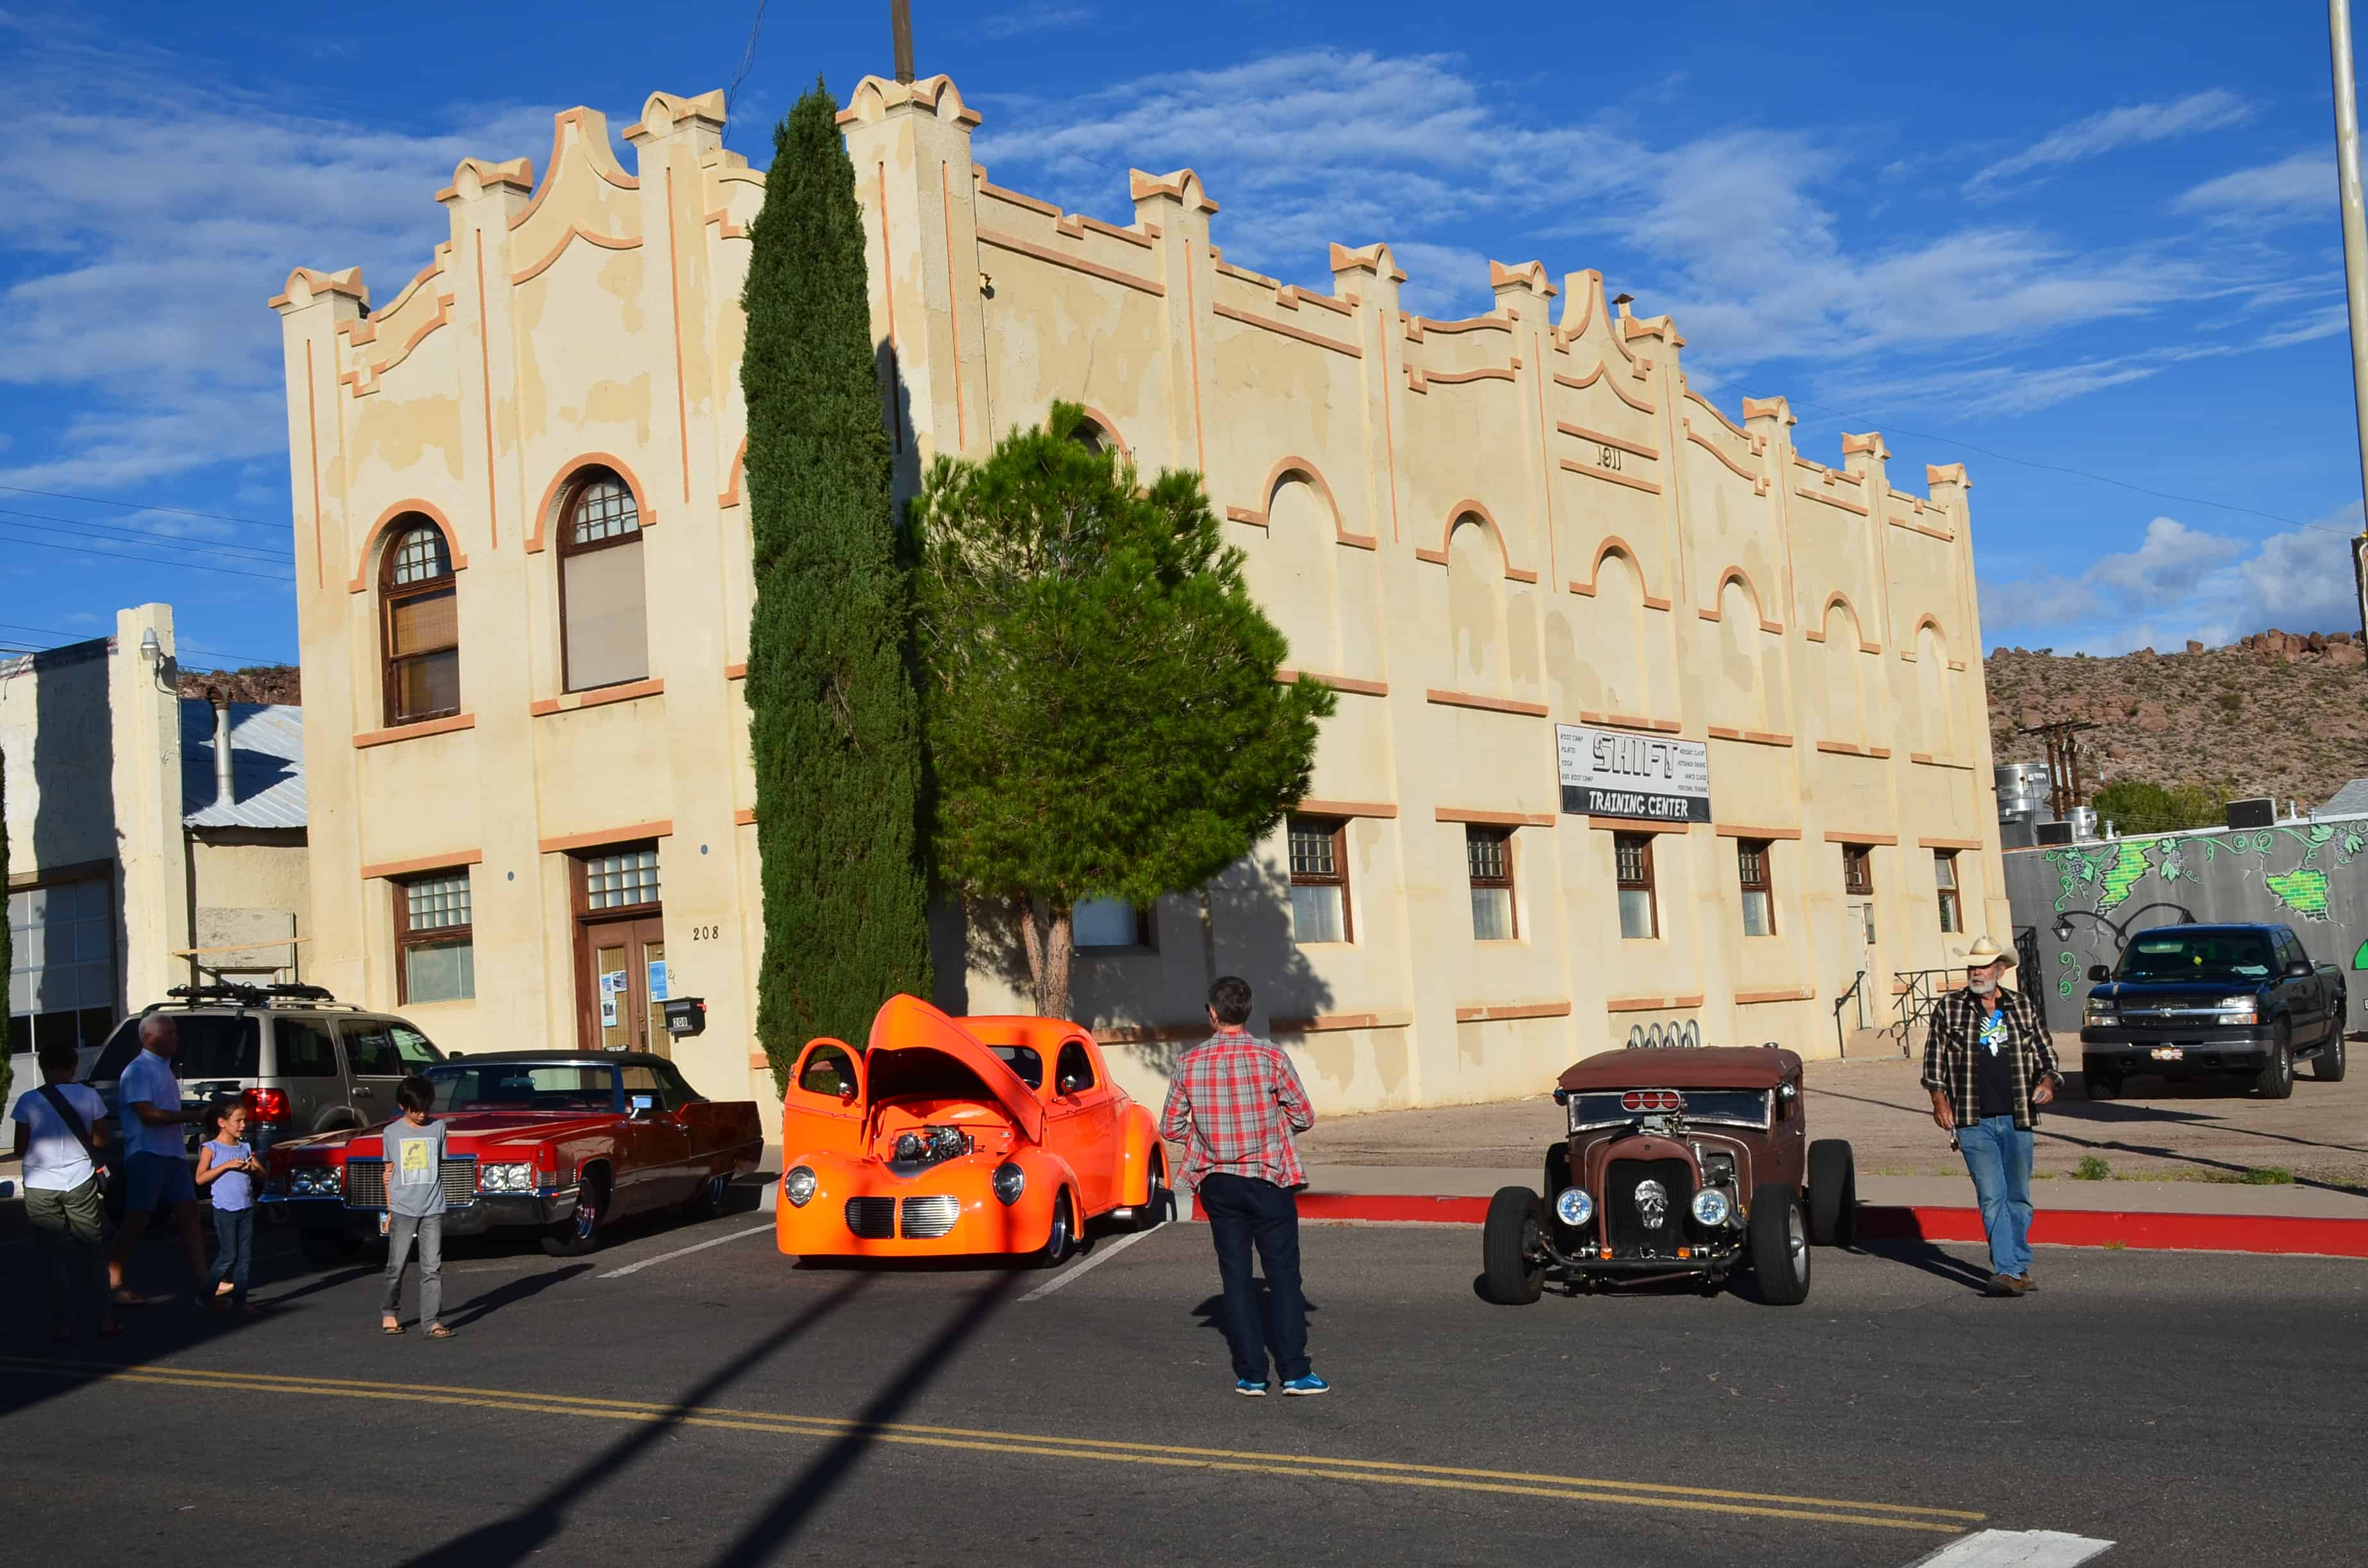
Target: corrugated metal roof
[267,766]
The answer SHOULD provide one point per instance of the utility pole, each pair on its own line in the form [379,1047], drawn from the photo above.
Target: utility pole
[2065,785]
[2355,263]
[900,21]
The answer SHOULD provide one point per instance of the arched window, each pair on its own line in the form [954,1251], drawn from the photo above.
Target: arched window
[419,622]
[604,636]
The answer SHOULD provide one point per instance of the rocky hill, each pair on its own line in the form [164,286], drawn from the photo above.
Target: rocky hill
[2274,714]
[259,683]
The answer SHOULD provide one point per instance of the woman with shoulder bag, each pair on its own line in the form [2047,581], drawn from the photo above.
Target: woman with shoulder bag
[61,1128]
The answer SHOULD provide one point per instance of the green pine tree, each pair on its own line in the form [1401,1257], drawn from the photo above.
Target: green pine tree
[1098,688]
[833,717]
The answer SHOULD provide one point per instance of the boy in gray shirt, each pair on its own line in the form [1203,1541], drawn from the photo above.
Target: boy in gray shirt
[415,1206]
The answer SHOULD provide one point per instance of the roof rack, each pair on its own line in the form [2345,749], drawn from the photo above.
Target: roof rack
[286,994]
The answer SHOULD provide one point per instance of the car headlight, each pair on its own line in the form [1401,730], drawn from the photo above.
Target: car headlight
[1009,1181]
[1711,1206]
[1574,1207]
[507,1177]
[799,1186]
[311,1181]
[2102,1009]
[2239,1010]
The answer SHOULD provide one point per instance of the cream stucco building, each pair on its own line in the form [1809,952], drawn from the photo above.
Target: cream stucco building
[524,581]
[153,839]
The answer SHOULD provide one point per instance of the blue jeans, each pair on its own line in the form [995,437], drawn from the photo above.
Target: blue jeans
[235,1243]
[1244,1210]
[1997,1156]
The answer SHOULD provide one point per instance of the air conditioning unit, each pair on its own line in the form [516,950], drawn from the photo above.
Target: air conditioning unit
[2052,833]
[2259,813]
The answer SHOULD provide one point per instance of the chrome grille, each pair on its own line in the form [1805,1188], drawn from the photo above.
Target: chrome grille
[872,1218]
[365,1182]
[926,1219]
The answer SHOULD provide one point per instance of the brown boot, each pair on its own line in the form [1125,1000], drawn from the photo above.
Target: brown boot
[2005,1285]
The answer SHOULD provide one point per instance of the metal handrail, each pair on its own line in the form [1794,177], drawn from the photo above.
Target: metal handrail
[1843,1001]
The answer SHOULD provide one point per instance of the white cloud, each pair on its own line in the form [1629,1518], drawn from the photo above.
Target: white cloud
[150,219]
[2296,187]
[2183,582]
[2171,560]
[1035,18]
[2130,126]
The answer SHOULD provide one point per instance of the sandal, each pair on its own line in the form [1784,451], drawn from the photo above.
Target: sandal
[389,1328]
[439,1332]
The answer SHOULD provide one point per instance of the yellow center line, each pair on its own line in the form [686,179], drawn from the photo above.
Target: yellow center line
[1372,1472]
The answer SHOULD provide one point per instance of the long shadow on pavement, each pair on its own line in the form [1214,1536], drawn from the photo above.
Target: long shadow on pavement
[488,1303]
[1924,1255]
[528,1532]
[772,1530]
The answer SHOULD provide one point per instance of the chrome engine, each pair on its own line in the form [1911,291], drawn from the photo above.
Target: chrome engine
[932,1145]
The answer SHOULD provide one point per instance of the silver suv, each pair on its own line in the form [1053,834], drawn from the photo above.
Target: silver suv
[301,1060]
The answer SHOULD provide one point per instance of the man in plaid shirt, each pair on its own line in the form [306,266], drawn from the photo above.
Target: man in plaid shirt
[1988,1062]
[1233,1103]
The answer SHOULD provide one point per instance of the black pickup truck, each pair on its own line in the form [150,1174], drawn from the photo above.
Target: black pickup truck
[2210,1001]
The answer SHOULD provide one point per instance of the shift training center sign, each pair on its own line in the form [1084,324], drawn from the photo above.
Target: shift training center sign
[1609,773]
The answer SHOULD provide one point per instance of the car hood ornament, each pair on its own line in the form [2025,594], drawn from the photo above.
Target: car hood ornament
[1652,1203]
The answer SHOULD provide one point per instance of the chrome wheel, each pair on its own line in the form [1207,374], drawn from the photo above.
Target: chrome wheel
[1796,1241]
[1056,1245]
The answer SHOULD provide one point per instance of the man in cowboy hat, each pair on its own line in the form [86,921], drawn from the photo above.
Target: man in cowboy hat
[1988,1062]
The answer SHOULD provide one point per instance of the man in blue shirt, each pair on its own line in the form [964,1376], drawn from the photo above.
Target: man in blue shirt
[156,1165]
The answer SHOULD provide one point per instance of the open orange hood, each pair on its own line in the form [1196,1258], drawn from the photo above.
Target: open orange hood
[914,1048]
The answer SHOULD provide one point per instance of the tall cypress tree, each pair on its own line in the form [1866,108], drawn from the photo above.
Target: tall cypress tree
[833,717]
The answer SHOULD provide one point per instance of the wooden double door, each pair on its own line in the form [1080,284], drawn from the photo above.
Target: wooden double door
[621,985]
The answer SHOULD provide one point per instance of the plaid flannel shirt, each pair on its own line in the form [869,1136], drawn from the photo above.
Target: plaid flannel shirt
[1233,1103]
[1956,1035]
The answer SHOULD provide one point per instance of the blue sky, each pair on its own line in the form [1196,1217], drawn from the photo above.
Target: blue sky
[2092,237]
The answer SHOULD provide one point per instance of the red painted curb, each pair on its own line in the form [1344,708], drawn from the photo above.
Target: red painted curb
[2267,1234]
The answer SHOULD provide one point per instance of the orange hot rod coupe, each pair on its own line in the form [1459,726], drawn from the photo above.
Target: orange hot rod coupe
[952,1136]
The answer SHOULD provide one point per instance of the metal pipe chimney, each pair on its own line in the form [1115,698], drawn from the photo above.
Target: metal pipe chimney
[224,795]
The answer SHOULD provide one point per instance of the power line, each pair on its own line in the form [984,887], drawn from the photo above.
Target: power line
[94,637]
[145,507]
[170,542]
[120,557]
[1886,425]
[748,59]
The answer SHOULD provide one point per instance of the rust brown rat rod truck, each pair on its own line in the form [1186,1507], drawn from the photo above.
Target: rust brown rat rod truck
[1679,1163]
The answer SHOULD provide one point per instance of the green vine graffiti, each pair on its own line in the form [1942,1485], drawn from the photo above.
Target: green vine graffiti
[2067,974]
[2115,868]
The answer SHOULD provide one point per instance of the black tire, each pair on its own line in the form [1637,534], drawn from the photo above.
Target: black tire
[1779,1245]
[584,1230]
[325,1249]
[2275,1079]
[1508,1243]
[2099,1086]
[708,1201]
[1833,1194]
[2327,1067]
[1063,1237]
[1156,1195]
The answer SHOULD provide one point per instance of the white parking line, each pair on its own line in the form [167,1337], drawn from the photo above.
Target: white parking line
[2015,1549]
[685,1252]
[1099,1256]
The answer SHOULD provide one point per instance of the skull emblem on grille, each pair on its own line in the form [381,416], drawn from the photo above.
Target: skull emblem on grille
[1652,1204]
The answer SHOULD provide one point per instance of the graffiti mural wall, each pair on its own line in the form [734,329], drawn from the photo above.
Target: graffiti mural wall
[2086,899]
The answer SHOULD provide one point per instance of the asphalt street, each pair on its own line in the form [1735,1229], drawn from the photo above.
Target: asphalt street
[724,1406]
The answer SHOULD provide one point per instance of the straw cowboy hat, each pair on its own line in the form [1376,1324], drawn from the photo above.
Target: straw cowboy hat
[1985,952]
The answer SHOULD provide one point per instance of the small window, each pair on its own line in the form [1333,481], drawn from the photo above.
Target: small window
[369,1050]
[622,880]
[829,1071]
[1858,870]
[678,1092]
[1108,923]
[305,1049]
[1074,1070]
[1488,856]
[602,598]
[1639,919]
[1759,898]
[420,624]
[1944,875]
[436,950]
[1320,879]
[414,1047]
[1023,1061]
